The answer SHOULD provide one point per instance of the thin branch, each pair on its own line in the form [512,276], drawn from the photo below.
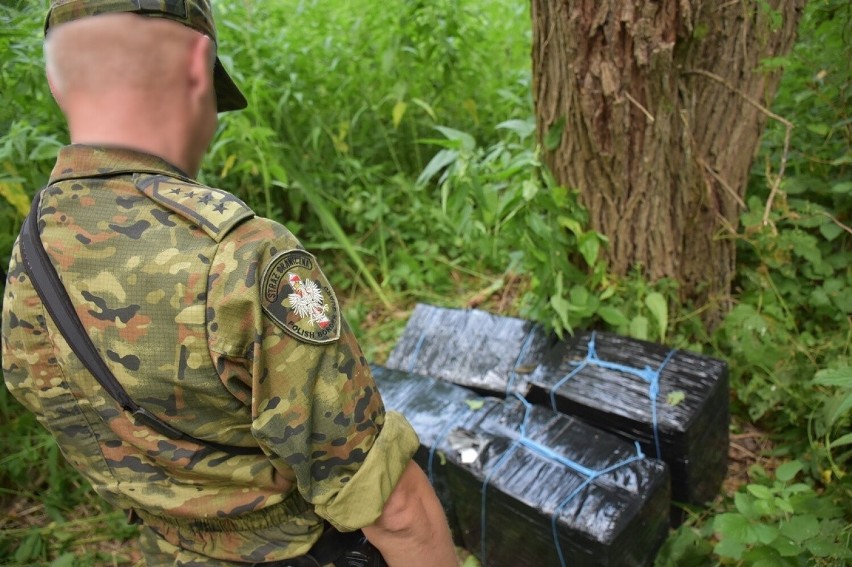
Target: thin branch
[722,182]
[776,184]
[744,96]
[644,110]
[837,222]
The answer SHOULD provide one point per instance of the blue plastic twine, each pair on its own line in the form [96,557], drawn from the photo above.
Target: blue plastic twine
[416,353]
[546,452]
[649,375]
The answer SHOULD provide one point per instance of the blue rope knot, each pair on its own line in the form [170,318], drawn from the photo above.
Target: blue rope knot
[648,374]
[548,453]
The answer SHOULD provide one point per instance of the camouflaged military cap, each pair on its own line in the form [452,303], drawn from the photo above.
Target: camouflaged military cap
[196,14]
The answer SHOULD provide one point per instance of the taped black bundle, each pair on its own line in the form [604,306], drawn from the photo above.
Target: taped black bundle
[682,410]
[528,486]
[675,403]
[472,348]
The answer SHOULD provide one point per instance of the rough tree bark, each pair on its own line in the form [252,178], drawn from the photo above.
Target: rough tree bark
[663,103]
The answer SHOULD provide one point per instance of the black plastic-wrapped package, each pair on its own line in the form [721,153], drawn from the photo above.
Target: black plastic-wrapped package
[682,409]
[543,488]
[471,348]
[671,401]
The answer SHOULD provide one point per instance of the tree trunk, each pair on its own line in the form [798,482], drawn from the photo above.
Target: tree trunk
[663,103]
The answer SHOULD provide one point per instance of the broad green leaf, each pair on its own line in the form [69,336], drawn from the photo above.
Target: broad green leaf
[30,548]
[571,225]
[745,505]
[786,547]
[821,547]
[441,160]
[64,560]
[760,491]
[830,230]
[819,129]
[788,471]
[579,296]
[834,377]
[729,548]
[529,189]
[762,556]
[765,533]
[561,307]
[466,140]
[837,407]
[658,307]
[522,128]
[685,548]
[639,328]
[784,505]
[613,316]
[801,528]
[553,139]
[842,188]
[398,112]
[589,246]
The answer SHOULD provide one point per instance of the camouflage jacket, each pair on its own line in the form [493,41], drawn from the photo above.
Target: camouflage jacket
[218,322]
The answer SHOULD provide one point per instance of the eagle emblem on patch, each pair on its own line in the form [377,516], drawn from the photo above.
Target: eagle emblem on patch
[297,296]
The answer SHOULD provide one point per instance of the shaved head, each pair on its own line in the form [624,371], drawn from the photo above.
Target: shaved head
[117,51]
[135,81]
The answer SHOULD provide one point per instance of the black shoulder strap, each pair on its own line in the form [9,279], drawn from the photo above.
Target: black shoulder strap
[49,287]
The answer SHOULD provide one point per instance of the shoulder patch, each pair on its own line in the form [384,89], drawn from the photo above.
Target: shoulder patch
[297,296]
[215,211]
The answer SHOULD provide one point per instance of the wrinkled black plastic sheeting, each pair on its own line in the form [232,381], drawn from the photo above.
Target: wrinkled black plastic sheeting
[619,519]
[472,348]
[693,433]
[485,352]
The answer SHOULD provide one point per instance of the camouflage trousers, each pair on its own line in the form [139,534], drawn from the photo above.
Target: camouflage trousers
[160,553]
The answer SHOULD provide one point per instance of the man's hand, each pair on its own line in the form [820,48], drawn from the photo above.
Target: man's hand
[412,530]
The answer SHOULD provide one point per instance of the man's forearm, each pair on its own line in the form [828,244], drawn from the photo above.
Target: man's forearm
[413,531]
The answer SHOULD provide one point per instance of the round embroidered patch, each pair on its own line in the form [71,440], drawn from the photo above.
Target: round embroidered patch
[297,296]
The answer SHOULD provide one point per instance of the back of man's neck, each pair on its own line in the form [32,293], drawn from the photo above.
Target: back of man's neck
[115,125]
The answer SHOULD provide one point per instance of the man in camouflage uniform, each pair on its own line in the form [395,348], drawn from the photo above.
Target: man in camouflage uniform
[215,320]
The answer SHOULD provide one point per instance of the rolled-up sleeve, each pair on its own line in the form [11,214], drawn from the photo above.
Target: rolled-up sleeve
[359,503]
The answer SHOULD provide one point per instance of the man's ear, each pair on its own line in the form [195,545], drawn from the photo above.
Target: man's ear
[201,59]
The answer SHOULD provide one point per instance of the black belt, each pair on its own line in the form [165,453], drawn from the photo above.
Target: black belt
[343,549]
